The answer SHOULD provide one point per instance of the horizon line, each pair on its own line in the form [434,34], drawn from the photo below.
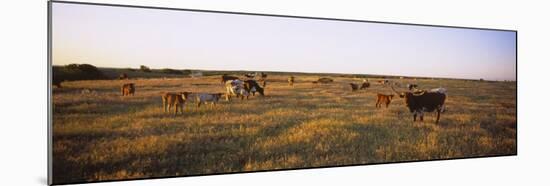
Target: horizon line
[336,73]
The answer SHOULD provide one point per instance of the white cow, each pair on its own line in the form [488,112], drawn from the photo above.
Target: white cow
[235,88]
[204,98]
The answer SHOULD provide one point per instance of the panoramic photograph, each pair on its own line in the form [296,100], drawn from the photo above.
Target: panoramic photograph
[150,93]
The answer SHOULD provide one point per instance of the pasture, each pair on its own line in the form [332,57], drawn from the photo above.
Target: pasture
[100,135]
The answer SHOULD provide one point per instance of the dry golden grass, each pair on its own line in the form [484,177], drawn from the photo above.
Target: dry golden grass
[103,136]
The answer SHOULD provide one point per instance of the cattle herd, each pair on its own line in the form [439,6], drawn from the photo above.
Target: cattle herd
[417,100]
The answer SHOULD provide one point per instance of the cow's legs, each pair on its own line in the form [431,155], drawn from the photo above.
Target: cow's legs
[438,113]
[414,116]
[164,105]
[421,116]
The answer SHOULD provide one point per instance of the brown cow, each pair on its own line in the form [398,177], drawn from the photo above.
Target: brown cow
[354,86]
[383,99]
[128,89]
[291,80]
[365,85]
[176,99]
[252,86]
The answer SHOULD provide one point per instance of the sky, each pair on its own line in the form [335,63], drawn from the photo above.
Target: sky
[123,37]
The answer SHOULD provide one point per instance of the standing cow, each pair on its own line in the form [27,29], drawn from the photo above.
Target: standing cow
[424,101]
[174,99]
[365,85]
[251,86]
[291,80]
[128,89]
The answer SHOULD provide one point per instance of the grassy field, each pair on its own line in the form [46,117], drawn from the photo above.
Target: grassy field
[100,135]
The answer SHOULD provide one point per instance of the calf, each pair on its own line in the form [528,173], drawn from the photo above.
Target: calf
[383,99]
[176,99]
[128,89]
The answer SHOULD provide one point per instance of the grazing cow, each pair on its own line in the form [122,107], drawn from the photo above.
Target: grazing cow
[123,76]
[364,85]
[235,88]
[207,98]
[354,86]
[252,86]
[291,80]
[128,89]
[263,75]
[383,99]
[226,78]
[425,101]
[412,86]
[176,99]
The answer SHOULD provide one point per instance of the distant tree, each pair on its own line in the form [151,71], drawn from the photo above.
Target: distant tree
[73,72]
[144,68]
[82,72]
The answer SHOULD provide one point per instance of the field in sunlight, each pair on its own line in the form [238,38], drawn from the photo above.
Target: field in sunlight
[100,135]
